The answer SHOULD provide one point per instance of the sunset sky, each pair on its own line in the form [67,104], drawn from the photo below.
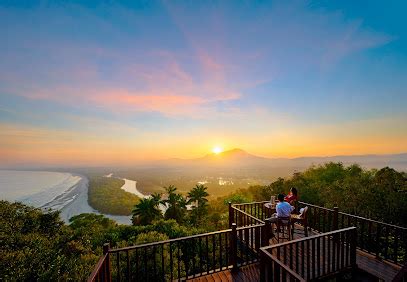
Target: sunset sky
[96,84]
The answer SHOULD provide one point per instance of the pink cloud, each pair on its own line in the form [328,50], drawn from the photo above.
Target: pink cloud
[167,103]
[165,87]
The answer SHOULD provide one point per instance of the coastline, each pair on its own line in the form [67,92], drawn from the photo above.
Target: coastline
[66,192]
[131,187]
[80,204]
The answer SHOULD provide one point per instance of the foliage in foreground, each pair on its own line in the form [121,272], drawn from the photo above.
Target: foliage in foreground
[37,245]
[105,195]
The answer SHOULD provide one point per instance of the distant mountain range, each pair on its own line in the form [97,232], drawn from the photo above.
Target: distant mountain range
[239,158]
[238,161]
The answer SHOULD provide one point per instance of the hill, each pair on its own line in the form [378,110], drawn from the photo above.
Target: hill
[236,158]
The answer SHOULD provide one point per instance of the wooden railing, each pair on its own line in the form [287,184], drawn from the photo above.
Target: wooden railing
[245,217]
[310,258]
[249,240]
[401,275]
[102,268]
[193,256]
[175,259]
[272,269]
[184,258]
[385,241]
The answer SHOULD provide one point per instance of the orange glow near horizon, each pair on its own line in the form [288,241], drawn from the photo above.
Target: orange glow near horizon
[117,144]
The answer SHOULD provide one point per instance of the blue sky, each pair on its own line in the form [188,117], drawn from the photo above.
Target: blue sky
[88,82]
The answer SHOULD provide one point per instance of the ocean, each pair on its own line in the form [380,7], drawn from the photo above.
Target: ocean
[36,188]
[61,191]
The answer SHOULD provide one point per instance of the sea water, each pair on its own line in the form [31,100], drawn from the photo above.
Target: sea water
[36,188]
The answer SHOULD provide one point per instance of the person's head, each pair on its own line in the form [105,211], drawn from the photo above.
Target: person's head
[294,191]
[280,197]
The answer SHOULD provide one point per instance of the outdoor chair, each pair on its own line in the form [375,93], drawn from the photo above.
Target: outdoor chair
[302,219]
[283,228]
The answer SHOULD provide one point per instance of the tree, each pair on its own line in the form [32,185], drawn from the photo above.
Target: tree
[237,198]
[146,211]
[156,196]
[198,195]
[37,246]
[175,203]
[91,220]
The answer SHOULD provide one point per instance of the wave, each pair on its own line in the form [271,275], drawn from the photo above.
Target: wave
[38,188]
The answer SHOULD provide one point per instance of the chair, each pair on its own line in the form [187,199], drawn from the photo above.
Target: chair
[294,203]
[302,219]
[284,228]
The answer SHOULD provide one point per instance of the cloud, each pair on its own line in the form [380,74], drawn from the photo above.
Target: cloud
[219,56]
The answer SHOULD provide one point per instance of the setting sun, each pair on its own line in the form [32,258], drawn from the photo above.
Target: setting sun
[217,150]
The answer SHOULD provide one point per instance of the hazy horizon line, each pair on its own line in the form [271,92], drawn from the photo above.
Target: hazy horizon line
[138,162]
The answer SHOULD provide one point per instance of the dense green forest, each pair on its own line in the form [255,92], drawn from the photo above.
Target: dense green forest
[37,245]
[105,195]
[377,194]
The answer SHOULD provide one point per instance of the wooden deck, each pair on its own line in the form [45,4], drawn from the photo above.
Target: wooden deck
[381,269]
[384,271]
[250,273]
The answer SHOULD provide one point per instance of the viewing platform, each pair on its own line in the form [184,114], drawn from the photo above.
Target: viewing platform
[336,245]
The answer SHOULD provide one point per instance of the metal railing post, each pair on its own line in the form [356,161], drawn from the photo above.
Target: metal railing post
[230,215]
[106,248]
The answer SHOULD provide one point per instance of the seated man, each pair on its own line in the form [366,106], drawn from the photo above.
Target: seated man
[283,209]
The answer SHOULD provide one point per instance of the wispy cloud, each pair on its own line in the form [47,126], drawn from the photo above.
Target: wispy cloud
[220,61]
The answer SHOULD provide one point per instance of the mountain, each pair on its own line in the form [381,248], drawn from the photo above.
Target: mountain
[238,158]
[231,156]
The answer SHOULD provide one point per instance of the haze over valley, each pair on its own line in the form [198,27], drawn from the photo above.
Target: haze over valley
[237,168]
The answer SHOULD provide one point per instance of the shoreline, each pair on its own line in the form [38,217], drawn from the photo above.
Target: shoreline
[80,204]
[69,195]
[131,187]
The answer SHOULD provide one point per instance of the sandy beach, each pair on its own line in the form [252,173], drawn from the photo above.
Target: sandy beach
[131,187]
[80,204]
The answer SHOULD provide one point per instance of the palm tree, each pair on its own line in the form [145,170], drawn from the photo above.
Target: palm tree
[198,194]
[156,196]
[175,203]
[146,211]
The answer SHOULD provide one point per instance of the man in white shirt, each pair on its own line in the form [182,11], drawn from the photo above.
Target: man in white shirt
[283,209]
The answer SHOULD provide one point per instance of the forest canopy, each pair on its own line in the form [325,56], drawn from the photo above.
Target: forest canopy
[376,194]
[105,195]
